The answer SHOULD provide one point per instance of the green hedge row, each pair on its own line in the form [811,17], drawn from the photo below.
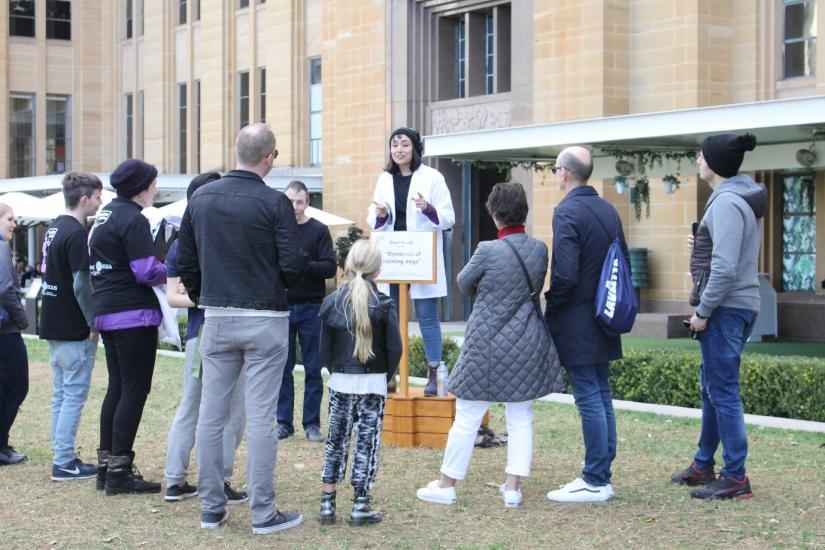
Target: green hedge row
[418,361]
[786,386]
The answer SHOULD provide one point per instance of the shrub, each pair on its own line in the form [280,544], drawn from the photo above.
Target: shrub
[418,361]
[784,386]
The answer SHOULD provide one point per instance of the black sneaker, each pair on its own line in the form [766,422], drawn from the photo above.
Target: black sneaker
[724,487]
[694,476]
[213,520]
[283,432]
[233,496]
[279,522]
[9,456]
[314,435]
[75,469]
[176,493]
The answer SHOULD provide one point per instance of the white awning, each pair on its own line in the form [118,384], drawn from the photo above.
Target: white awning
[781,128]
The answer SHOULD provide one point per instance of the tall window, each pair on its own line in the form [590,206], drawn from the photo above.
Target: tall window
[128,19]
[243,4]
[59,19]
[196,10]
[489,49]
[799,233]
[21,18]
[141,125]
[197,126]
[181,12]
[799,40]
[21,135]
[58,134]
[243,97]
[130,115]
[460,57]
[262,93]
[315,120]
[140,17]
[182,127]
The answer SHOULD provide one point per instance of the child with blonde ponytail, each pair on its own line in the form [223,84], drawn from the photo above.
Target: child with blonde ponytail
[361,347]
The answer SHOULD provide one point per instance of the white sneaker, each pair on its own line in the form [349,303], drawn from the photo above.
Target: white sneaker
[433,493]
[579,490]
[610,490]
[512,499]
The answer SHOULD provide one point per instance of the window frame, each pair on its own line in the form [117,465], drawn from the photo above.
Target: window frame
[55,21]
[243,100]
[67,133]
[20,18]
[32,162]
[183,118]
[315,110]
[809,42]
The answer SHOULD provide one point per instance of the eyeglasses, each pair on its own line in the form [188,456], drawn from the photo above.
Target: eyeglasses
[558,167]
[274,154]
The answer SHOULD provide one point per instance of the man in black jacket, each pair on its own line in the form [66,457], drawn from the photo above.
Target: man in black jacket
[580,241]
[304,324]
[229,225]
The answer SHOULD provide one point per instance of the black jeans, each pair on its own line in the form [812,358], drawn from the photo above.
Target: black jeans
[14,381]
[130,360]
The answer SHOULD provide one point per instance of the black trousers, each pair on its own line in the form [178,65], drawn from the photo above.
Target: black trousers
[130,360]
[14,381]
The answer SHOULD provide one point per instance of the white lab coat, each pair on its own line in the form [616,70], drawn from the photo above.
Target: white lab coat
[430,183]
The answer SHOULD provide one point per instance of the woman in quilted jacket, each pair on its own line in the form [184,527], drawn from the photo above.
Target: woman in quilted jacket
[508,355]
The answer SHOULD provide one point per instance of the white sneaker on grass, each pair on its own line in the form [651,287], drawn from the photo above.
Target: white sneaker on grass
[512,499]
[433,493]
[579,490]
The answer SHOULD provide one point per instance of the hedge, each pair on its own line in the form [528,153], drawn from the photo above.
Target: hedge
[784,386]
[418,361]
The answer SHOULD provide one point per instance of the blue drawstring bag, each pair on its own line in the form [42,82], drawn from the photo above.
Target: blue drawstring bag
[616,306]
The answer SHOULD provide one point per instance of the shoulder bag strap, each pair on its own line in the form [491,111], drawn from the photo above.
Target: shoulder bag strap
[600,221]
[534,296]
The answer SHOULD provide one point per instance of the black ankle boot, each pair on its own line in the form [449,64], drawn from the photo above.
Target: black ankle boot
[327,514]
[431,389]
[362,513]
[102,466]
[123,477]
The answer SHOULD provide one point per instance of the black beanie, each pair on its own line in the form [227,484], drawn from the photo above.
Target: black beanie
[414,136]
[724,153]
[132,176]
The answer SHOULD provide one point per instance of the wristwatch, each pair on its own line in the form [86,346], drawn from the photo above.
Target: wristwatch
[700,316]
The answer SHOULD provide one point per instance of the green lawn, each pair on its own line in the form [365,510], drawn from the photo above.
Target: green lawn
[807,349]
[786,469]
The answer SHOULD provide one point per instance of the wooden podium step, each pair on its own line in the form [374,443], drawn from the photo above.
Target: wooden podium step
[418,421]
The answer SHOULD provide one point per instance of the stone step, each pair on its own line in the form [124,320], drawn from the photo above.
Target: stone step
[659,325]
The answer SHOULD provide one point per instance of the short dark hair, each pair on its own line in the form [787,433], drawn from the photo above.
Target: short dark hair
[77,185]
[508,203]
[415,162]
[297,186]
[582,169]
[199,181]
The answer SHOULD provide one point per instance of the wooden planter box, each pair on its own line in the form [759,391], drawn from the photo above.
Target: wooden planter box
[418,421]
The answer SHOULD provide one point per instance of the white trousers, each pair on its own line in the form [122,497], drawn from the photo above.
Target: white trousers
[462,437]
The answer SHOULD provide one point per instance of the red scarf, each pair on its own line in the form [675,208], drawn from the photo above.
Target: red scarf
[510,230]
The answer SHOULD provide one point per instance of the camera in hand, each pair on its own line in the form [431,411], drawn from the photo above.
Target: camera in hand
[694,334]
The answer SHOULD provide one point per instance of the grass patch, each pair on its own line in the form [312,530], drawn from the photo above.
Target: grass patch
[788,479]
[779,348]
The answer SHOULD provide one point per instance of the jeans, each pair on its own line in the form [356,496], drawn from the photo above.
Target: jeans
[72,363]
[723,419]
[181,438]
[426,311]
[462,437]
[591,390]
[14,381]
[130,360]
[304,324]
[255,348]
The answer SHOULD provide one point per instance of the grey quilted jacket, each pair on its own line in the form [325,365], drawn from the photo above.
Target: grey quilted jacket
[508,355]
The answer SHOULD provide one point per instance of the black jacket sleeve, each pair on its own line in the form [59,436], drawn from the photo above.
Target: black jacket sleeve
[392,342]
[564,270]
[188,266]
[324,266]
[292,258]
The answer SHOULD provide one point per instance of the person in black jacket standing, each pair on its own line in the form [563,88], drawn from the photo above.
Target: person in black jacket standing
[232,223]
[124,269]
[304,305]
[580,245]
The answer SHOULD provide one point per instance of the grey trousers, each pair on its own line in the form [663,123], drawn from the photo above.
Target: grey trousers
[255,348]
[181,439]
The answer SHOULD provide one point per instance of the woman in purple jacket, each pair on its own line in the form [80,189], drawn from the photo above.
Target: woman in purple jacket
[127,313]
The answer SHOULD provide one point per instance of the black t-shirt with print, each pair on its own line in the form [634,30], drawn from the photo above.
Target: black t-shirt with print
[64,253]
[120,235]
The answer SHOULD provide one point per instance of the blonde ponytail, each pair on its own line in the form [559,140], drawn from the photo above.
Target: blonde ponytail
[363,263]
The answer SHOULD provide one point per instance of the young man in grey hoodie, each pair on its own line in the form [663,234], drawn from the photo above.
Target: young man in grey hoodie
[724,265]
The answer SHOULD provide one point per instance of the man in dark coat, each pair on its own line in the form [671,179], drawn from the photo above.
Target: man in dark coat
[584,225]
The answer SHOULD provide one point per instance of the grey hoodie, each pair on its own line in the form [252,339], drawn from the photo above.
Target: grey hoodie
[734,217]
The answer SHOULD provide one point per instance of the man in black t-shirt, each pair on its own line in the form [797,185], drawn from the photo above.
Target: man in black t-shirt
[67,320]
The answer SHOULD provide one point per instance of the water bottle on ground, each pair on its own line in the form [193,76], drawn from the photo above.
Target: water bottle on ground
[441,380]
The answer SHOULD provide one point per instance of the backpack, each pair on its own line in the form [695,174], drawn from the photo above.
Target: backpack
[615,304]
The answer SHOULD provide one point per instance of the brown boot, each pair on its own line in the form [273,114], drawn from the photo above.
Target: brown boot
[102,466]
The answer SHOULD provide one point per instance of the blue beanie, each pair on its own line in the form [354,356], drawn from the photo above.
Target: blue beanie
[132,176]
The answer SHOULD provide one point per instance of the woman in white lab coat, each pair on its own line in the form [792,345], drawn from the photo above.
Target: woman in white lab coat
[411,196]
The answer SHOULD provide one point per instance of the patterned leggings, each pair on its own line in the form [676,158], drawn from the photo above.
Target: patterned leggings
[366,412]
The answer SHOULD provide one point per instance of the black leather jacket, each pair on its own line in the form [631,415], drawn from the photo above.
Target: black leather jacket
[239,245]
[338,339]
